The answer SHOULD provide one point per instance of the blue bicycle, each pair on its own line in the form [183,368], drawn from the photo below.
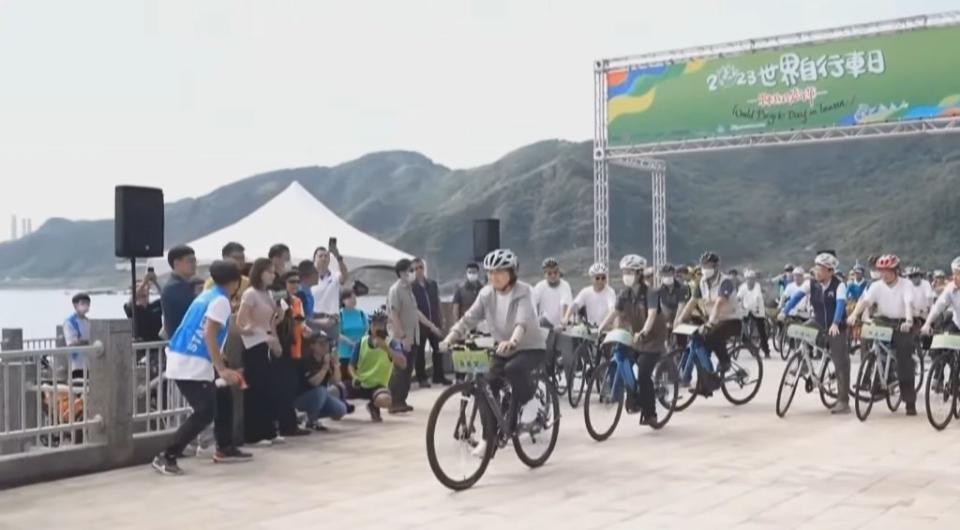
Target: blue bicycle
[614,384]
[739,384]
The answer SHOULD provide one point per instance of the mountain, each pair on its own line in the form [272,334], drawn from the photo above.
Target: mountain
[760,207]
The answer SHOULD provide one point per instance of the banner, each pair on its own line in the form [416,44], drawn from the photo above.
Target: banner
[880,78]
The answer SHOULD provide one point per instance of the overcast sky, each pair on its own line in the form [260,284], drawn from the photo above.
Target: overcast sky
[193,94]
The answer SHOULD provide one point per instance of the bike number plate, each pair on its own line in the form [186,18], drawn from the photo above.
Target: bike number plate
[804,333]
[471,361]
[945,342]
[685,329]
[869,331]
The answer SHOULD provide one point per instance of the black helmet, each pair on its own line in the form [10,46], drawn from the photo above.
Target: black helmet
[709,257]
[379,316]
[667,269]
[788,267]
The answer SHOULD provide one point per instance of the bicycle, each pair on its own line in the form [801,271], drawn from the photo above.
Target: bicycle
[604,401]
[943,382]
[479,423]
[802,363]
[580,364]
[877,377]
[695,367]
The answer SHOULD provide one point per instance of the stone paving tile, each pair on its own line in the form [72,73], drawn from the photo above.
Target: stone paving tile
[714,466]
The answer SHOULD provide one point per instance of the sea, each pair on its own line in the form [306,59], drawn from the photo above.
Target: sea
[38,312]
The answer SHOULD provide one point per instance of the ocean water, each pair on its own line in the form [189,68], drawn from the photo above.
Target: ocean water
[38,312]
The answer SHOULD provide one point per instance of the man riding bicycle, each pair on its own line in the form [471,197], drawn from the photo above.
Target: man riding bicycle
[949,298]
[828,298]
[638,310]
[892,296]
[723,320]
[750,296]
[506,305]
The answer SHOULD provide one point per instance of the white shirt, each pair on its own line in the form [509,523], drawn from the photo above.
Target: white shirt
[803,308]
[949,298]
[192,367]
[503,308]
[326,293]
[71,337]
[597,304]
[921,298]
[751,300]
[892,302]
[550,301]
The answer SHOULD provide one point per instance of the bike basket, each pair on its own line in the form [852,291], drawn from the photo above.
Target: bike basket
[686,329]
[471,361]
[805,333]
[872,332]
[945,341]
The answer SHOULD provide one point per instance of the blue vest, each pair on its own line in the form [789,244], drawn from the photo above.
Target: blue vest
[824,302]
[188,339]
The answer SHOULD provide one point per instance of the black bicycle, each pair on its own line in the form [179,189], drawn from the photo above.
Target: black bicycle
[943,383]
[470,421]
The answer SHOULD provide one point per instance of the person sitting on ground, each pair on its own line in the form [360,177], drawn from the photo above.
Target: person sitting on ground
[76,332]
[353,326]
[372,365]
[321,391]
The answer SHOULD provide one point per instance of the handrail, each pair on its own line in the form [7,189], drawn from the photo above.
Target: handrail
[96,348]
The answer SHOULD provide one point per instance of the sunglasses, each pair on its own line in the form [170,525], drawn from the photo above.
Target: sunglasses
[600,278]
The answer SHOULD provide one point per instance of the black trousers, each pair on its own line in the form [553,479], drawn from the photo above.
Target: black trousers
[516,370]
[716,339]
[259,403]
[286,388]
[761,324]
[421,356]
[210,404]
[646,362]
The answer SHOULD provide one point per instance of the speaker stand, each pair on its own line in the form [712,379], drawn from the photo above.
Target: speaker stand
[133,298]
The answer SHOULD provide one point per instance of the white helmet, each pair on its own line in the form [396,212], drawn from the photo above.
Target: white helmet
[750,273]
[798,271]
[597,269]
[955,265]
[633,262]
[827,260]
[500,259]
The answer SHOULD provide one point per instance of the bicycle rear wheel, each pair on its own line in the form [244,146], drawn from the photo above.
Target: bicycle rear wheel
[894,394]
[789,383]
[578,375]
[866,386]
[828,382]
[686,392]
[459,446]
[538,426]
[941,399]
[742,382]
[666,388]
[603,403]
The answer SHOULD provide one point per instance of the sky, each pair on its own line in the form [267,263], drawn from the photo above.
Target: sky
[191,95]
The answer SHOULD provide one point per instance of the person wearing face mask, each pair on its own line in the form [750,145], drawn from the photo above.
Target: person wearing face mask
[76,331]
[673,293]
[552,296]
[596,301]
[279,255]
[892,297]
[948,299]
[467,291]
[723,312]
[750,295]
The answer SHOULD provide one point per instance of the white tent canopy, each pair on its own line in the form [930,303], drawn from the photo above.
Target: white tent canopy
[296,218]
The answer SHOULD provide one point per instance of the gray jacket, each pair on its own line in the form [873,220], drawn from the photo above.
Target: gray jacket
[521,313]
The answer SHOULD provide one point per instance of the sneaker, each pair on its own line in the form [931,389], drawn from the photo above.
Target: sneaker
[374,413]
[648,420]
[317,426]
[204,451]
[911,409]
[230,455]
[166,465]
[424,384]
[480,450]
[264,443]
[840,408]
[350,408]
[279,440]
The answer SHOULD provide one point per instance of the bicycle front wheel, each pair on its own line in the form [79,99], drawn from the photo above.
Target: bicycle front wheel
[942,391]
[866,386]
[894,393]
[666,388]
[578,375]
[918,368]
[829,389]
[789,383]
[538,424]
[742,382]
[689,378]
[603,403]
[459,444]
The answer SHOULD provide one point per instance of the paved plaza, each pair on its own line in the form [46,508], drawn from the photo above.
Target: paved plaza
[714,466]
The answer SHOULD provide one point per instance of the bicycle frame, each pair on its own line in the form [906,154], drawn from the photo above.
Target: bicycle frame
[696,352]
[808,346]
[882,350]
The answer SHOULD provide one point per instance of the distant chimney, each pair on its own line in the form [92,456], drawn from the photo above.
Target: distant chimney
[23,227]
[13,228]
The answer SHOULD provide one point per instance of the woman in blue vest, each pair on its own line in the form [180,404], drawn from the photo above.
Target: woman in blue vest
[196,365]
[828,298]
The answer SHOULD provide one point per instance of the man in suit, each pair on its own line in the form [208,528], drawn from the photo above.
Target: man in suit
[427,293]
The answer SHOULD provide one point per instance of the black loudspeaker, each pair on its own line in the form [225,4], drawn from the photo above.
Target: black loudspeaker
[486,237]
[138,222]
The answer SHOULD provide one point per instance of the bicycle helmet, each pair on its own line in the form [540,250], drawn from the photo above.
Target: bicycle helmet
[633,262]
[788,267]
[827,260]
[858,268]
[709,257]
[940,274]
[667,269]
[887,262]
[550,263]
[749,273]
[379,315]
[798,271]
[597,269]
[500,259]
[619,336]
[912,270]
[955,265]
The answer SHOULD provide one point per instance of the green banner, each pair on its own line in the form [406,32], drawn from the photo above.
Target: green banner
[880,78]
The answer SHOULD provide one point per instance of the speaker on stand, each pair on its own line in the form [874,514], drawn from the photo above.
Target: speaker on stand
[138,224]
[486,237]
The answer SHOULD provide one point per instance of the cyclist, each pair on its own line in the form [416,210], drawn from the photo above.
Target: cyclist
[802,310]
[857,284]
[723,313]
[506,305]
[949,298]
[828,298]
[921,299]
[891,295]
[939,281]
[552,297]
[596,301]
[734,275]
[750,296]
[638,311]
[783,280]
[673,294]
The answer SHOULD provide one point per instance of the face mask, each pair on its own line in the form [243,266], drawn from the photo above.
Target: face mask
[915,281]
[629,279]
[411,277]
[472,276]
[668,281]
[708,273]
[874,275]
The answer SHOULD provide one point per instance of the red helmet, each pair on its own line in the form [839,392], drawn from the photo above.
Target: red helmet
[887,261]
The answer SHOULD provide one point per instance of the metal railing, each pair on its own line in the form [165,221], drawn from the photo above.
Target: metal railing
[41,344]
[43,398]
[157,403]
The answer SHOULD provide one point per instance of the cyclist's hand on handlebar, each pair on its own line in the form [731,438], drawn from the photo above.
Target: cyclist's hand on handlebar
[926,330]
[906,327]
[444,345]
[505,347]
[834,330]
[852,321]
